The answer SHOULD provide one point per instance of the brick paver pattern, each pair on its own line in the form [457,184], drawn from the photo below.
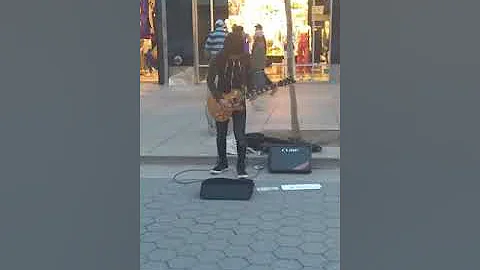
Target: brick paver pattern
[275,230]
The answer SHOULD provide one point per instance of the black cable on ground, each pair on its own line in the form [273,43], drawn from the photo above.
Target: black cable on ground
[174,178]
[257,167]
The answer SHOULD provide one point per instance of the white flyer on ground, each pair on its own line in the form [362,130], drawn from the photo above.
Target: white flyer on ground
[301,187]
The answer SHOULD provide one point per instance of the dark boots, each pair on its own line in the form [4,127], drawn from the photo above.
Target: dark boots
[222,164]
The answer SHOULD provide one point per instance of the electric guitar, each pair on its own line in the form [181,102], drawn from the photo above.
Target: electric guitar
[234,100]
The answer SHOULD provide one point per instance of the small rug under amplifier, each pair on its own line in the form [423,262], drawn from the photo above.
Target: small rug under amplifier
[290,159]
[227,189]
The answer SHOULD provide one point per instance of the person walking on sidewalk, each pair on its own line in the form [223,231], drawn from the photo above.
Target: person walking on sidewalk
[259,48]
[257,64]
[260,37]
[231,69]
[213,45]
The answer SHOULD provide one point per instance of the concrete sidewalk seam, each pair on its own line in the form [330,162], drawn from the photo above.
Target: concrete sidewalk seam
[317,163]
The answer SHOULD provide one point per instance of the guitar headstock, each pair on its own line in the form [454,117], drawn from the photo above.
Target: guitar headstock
[255,93]
[251,96]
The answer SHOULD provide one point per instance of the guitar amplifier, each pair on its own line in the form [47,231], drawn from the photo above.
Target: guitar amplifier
[290,159]
[226,189]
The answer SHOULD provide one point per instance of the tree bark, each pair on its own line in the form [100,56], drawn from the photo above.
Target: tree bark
[295,126]
[162,41]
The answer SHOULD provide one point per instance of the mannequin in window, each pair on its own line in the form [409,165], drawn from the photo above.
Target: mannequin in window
[145,36]
[326,40]
[303,49]
[152,13]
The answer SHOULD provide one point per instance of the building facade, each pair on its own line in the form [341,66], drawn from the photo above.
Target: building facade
[316,34]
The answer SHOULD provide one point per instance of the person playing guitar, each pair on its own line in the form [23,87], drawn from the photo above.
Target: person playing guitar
[232,71]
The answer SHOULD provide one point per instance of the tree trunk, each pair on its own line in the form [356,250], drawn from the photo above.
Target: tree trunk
[162,41]
[295,126]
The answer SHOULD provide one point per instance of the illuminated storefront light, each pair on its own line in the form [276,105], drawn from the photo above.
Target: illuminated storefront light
[271,15]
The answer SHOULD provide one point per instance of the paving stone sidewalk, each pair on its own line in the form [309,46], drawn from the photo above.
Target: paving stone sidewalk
[275,230]
[172,116]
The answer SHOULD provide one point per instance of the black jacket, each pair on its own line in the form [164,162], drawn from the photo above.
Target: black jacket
[233,44]
[229,77]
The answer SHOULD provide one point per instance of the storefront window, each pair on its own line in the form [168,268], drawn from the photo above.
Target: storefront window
[310,33]
[148,50]
[271,15]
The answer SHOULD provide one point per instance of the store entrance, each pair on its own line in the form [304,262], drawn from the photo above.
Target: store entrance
[311,25]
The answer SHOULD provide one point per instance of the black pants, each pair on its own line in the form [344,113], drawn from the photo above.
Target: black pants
[255,82]
[239,123]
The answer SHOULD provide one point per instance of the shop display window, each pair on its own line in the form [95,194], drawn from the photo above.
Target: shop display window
[271,15]
[148,51]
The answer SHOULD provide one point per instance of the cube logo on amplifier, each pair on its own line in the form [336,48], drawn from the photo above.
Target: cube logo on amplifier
[290,159]
[287,150]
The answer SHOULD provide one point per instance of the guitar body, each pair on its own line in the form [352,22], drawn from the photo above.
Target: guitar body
[234,102]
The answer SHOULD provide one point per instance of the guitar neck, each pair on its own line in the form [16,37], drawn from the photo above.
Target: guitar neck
[254,93]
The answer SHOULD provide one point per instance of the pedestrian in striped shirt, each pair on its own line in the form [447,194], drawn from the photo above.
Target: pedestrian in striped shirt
[213,45]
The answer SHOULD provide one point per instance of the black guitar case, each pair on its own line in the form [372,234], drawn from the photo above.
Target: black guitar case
[260,142]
